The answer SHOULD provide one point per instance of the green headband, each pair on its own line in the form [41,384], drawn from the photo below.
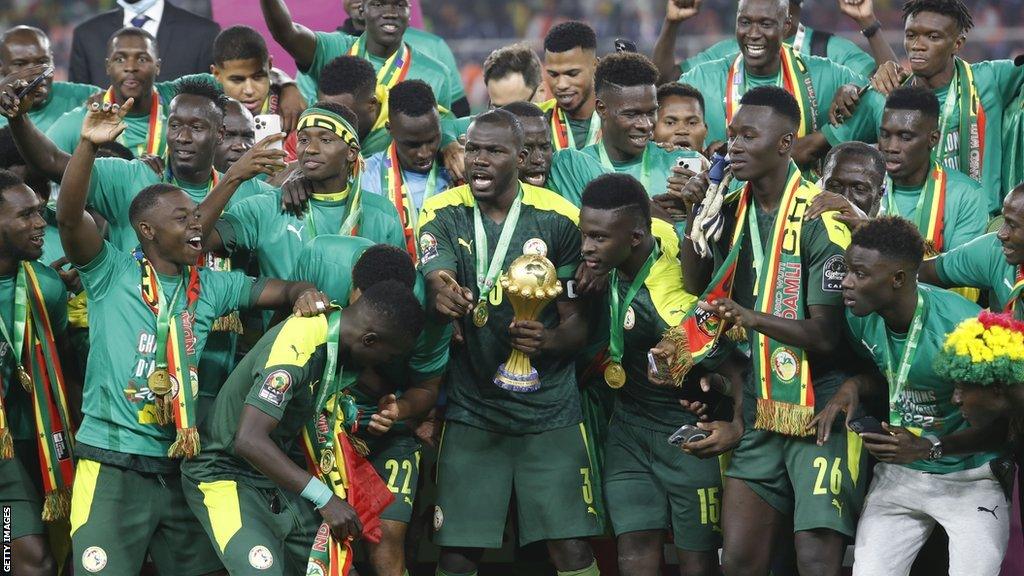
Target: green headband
[321,118]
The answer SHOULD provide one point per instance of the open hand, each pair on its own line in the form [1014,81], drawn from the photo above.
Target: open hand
[310,303]
[730,312]
[104,123]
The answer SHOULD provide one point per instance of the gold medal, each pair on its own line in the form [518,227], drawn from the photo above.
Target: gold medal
[615,375]
[480,314]
[24,378]
[327,460]
[160,382]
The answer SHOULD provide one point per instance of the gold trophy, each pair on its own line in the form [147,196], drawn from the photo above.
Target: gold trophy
[530,284]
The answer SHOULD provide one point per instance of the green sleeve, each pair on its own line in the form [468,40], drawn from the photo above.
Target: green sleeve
[823,259]
[307,86]
[441,52]
[827,77]
[275,386]
[969,214]
[863,125]
[65,132]
[430,354]
[842,51]
[722,49]
[170,88]
[231,290]
[978,264]
[854,329]
[79,92]
[1008,77]
[56,297]
[239,226]
[103,272]
[571,171]
[329,45]
[566,255]
[113,185]
[437,245]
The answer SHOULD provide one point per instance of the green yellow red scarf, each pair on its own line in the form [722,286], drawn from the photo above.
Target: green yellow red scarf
[561,133]
[793,77]
[156,142]
[931,208]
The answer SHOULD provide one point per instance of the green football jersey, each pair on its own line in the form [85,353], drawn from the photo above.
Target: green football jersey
[997,81]
[52,248]
[1013,143]
[980,264]
[64,97]
[280,377]
[548,224]
[330,45]
[327,262]
[925,403]
[115,183]
[711,80]
[118,408]
[434,46]
[659,305]
[571,171]
[17,403]
[276,238]
[965,213]
[839,50]
[67,129]
[652,168]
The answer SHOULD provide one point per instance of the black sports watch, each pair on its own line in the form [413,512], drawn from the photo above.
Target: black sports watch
[872,30]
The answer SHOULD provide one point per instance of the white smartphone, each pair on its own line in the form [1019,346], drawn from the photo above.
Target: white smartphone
[692,164]
[267,124]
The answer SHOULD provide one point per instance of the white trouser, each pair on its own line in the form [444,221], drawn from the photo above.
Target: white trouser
[903,506]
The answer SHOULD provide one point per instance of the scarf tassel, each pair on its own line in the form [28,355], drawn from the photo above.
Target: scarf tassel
[736,333]
[683,360]
[186,445]
[6,444]
[57,504]
[228,323]
[784,418]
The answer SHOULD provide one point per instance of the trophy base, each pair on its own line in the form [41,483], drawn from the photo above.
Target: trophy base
[517,382]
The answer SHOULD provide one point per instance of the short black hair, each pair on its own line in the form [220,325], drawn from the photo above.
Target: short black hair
[914,98]
[625,69]
[775,98]
[20,29]
[679,90]
[9,155]
[568,35]
[524,109]
[383,262]
[955,9]
[395,307]
[348,75]
[204,89]
[858,149]
[239,43]
[503,117]
[341,110]
[616,191]
[508,60]
[893,237]
[132,31]
[147,198]
[8,180]
[413,98]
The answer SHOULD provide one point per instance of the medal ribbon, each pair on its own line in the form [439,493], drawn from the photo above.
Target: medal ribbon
[971,123]
[898,379]
[645,168]
[394,183]
[350,224]
[485,281]
[156,143]
[395,68]
[1015,294]
[17,343]
[793,77]
[561,132]
[174,353]
[930,213]
[618,309]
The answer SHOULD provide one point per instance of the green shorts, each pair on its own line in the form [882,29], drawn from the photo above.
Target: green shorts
[820,486]
[254,530]
[650,484]
[478,470]
[18,492]
[397,460]
[118,515]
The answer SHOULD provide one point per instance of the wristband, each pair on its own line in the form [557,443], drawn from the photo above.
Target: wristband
[317,492]
[872,29]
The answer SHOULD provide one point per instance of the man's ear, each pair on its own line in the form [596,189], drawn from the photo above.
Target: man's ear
[369,339]
[602,110]
[146,230]
[933,138]
[786,143]
[899,279]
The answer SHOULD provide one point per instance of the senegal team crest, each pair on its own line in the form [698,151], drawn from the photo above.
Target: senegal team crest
[315,568]
[785,364]
[94,559]
[438,518]
[707,322]
[260,557]
[630,320]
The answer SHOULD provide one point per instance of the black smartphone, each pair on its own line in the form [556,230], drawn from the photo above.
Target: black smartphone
[868,424]
[687,433]
[625,45]
[35,83]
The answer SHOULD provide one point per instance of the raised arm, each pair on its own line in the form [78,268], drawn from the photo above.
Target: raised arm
[39,152]
[664,54]
[296,39]
[863,13]
[820,332]
[79,234]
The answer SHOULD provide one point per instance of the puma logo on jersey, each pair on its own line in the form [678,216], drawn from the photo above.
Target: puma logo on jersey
[468,245]
[1007,282]
[407,500]
[870,348]
[992,511]
[296,231]
[838,505]
[298,353]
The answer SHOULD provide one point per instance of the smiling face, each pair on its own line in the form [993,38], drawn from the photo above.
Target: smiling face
[681,122]
[417,140]
[239,136]
[247,81]
[132,66]
[570,77]
[492,159]
[323,154]
[609,237]
[537,142]
[21,223]
[194,128]
[628,115]
[931,40]
[171,226]
[871,282]
[759,140]
[760,29]
[1011,231]
[386,20]
[906,139]
[24,49]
